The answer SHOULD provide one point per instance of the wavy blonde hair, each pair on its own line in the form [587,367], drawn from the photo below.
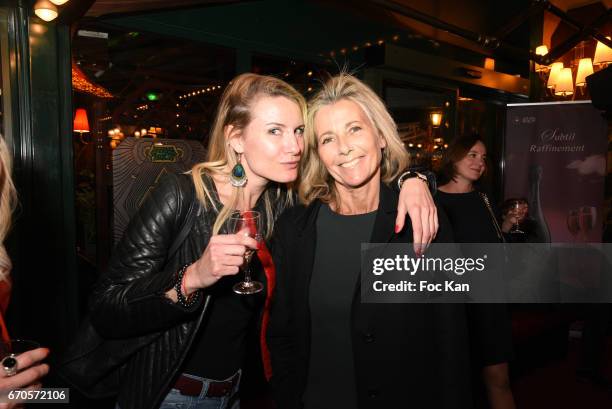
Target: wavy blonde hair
[235,110]
[316,182]
[8,200]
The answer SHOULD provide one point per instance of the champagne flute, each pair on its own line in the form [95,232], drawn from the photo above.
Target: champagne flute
[516,213]
[247,223]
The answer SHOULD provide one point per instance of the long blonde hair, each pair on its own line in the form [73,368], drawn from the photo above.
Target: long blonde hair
[316,182]
[8,200]
[235,110]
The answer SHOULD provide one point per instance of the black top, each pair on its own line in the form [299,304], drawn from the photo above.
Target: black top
[490,326]
[331,381]
[471,220]
[219,351]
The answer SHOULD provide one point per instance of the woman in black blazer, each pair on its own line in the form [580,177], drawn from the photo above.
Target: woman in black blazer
[328,349]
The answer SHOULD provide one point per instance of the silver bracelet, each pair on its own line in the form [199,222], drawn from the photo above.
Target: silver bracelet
[409,175]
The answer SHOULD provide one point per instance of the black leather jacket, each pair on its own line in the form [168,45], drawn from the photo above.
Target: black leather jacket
[129,300]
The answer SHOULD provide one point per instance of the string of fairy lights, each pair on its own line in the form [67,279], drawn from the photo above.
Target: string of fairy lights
[200,92]
[357,47]
[183,100]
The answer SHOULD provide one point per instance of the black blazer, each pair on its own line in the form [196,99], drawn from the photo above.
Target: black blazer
[406,355]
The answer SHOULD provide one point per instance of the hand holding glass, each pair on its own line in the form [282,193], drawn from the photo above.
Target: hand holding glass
[11,349]
[518,213]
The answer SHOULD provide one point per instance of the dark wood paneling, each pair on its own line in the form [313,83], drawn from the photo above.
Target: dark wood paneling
[43,306]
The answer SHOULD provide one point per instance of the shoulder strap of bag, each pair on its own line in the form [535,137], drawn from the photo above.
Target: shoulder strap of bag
[498,229]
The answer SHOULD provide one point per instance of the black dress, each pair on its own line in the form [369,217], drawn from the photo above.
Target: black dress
[469,216]
[473,223]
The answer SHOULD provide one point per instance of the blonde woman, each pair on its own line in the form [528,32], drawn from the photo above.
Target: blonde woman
[26,370]
[328,349]
[187,300]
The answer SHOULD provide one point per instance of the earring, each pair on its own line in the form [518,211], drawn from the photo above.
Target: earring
[238,177]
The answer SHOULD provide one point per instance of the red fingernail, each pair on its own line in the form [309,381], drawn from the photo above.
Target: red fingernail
[397,229]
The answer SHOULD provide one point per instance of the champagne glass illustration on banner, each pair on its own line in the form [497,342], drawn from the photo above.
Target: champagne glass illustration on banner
[249,224]
[587,218]
[572,223]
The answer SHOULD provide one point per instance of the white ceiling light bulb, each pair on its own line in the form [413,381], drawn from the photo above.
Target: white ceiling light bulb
[45,10]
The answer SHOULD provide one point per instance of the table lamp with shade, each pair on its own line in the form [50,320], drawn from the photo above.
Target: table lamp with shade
[81,124]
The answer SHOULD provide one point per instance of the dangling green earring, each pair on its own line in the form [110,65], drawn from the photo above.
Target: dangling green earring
[238,177]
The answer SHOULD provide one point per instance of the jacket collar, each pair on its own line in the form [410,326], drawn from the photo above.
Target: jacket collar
[388,199]
[384,226]
[307,219]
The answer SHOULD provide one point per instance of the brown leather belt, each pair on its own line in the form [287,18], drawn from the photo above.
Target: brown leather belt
[216,389]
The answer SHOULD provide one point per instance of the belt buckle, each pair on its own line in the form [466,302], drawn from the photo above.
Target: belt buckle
[218,389]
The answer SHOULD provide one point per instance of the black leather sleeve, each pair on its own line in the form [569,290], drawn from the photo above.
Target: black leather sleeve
[129,299]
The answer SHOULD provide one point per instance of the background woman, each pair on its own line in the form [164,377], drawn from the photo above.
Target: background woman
[328,349]
[187,301]
[473,220]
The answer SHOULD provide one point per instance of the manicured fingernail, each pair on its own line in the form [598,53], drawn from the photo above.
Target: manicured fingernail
[397,229]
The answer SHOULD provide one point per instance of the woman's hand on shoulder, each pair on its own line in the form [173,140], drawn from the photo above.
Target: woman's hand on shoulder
[416,201]
[222,257]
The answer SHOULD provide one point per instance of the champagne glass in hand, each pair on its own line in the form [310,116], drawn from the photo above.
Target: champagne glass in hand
[516,212]
[247,223]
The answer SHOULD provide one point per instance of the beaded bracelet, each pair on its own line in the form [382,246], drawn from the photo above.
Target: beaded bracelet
[185,302]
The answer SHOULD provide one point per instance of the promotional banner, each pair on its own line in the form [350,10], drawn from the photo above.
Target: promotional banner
[555,157]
